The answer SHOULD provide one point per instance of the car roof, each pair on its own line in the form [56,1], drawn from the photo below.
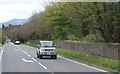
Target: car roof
[45,41]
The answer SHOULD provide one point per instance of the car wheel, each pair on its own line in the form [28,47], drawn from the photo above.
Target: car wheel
[55,56]
[37,55]
[40,56]
[52,57]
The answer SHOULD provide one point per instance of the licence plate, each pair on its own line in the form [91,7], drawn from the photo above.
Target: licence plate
[49,53]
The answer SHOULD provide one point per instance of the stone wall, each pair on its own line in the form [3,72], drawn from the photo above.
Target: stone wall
[108,50]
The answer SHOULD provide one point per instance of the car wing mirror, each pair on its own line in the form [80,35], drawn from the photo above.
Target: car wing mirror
[38,45]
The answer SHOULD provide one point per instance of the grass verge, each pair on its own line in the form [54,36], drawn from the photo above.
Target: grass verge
[99,61]
[33,45]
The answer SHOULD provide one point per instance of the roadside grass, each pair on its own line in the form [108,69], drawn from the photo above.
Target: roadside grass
[99,61]
[33,45]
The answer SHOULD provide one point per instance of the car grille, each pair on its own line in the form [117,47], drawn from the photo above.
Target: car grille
[48,49]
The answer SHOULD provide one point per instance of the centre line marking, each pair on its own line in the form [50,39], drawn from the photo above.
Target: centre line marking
[28,55]
[42,65]
[31,58]
[29,61]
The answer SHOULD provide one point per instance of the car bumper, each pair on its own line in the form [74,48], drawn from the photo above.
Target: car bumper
[48,53]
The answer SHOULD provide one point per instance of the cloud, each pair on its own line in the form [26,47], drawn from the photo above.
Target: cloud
[25,1]
[19,1]
[10,9]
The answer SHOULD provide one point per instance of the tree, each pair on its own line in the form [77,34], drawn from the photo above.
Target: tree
[94,21]
[3,26]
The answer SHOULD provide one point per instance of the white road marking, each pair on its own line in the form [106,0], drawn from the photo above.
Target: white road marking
[22,50]
[1,53]
[29,61]
[28,55]
[83,64]
[1,49]
[25,52]
[42,65]
[32,58]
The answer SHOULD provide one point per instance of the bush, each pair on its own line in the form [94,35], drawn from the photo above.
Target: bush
[89,38]
[72,37]
[3,40]
[92,38]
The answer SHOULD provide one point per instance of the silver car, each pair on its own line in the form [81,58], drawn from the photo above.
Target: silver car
[46,48]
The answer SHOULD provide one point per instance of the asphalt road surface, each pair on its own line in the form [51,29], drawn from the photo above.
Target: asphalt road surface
[22,58]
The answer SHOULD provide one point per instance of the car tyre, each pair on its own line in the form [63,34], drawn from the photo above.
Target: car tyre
[54,57]
[37,55]
[40,56]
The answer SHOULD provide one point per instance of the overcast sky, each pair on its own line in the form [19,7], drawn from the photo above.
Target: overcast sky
[20,9]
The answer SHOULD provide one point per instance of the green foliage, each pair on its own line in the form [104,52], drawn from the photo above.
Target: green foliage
[3,40]
[92,38]
[73,38]
[33,45]
[92,22]
[89,38]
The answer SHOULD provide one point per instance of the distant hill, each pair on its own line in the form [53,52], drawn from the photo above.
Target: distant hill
[15,22]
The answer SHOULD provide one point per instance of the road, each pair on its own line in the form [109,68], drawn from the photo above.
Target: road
[0,59]
[22,58]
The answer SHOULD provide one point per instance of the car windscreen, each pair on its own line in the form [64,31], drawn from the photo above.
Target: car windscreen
[46,44]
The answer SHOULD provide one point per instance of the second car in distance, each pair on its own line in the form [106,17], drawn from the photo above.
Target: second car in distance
[17,42]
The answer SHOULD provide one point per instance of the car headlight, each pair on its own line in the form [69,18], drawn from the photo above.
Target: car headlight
[41,49]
